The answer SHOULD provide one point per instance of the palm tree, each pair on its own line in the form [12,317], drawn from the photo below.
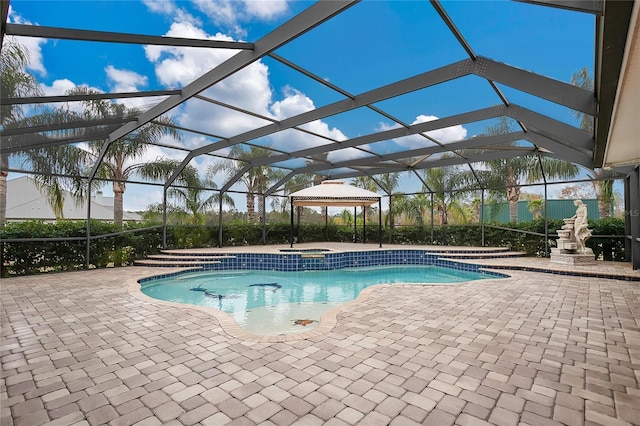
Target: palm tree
[513,172]
[116,164]
[192,196]
[416,208]
[365,182]
[294,184]
[445,183]
[584,80]
[536,206]
[256,179]
[602,188]
[346,217]
[60,172]
[14,82]
[389,182]
[188,193]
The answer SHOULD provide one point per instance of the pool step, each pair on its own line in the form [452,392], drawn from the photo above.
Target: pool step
[496,255]
[177,263]
[182,259]
[190,256]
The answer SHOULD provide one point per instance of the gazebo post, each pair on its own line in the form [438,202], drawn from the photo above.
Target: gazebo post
[380,221]
[298,214]
[291,230]
[355,224]
[364,225]
[326,223]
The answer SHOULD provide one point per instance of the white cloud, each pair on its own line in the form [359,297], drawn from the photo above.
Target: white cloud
[231,13]
[125,80]
[295,103]
[171,9]
[265,10]
[58,87]
[61,87]
[32,44]
[447,134]
[120,80]
[347,154]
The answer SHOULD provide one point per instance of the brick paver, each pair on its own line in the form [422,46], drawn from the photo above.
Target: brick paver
[532,349]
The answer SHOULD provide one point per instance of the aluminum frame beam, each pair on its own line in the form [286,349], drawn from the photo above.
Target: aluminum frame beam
[595,7]
[39,141]
[88,97]
[421,81]
[61,126]
[113,37]
[538,123]
[547,88]
[562,150]
[556,91]
[381,136]
[4,14]
[553,129]
[477,142]
[438,163]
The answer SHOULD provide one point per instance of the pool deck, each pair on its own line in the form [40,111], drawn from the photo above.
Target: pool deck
[537,348]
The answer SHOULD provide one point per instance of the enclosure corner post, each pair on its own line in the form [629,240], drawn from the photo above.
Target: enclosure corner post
[220,221]
[264,219]
[380,222]
[88,231]
[291,227]
[432,218]
[482,216]
[546,223]
[164,219]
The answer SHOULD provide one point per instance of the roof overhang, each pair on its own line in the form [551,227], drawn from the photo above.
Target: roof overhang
[617,132]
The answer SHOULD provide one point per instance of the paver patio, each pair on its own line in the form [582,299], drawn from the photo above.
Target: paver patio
[537,348]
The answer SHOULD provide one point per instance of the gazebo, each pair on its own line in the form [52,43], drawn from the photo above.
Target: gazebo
[335,194]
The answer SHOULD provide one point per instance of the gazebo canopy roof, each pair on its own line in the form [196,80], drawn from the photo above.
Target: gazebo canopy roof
[334,194]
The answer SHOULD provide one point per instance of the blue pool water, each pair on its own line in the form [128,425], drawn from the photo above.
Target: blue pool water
[267,302]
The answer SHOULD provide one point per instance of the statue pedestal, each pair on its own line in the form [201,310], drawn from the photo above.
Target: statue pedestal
[566,251]
[562,257]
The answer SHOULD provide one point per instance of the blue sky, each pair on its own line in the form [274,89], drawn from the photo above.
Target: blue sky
[371,44]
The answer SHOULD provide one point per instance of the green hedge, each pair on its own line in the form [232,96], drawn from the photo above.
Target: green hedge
[23,258]
[35,257]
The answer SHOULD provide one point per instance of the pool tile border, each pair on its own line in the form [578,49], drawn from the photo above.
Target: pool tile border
[329,319]
[288,261]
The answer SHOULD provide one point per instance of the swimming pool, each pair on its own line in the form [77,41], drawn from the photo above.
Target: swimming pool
[276,302]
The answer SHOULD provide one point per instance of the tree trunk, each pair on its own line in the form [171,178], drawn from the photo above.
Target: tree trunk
[261,210]
[604,209]
[3,197]
[604,205]
[251,209]
[118,192]
[442,215]
[513,195]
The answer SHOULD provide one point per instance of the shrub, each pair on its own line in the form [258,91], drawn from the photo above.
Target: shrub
[21,258]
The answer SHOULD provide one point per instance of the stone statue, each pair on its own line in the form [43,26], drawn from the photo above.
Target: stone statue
[580,231]
[571,238]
